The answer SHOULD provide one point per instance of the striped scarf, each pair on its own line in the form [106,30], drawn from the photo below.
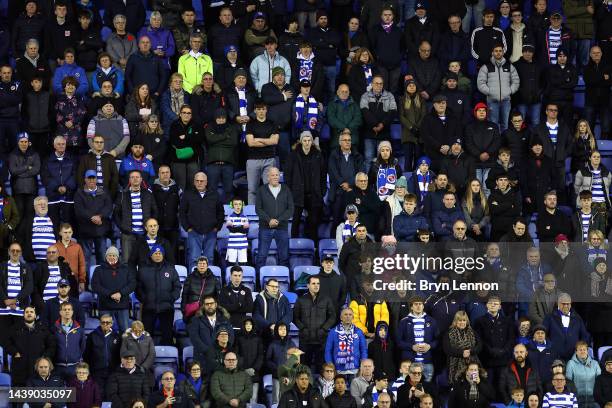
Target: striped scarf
[387,27]
[348,230]
[1,209]
[242,103]
[385,181]
[311,115]
[367,71]
[418,330]
[305,67]
[345,358]
[375,395]
[423,181]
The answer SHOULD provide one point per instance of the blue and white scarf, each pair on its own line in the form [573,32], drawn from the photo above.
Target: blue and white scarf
[348,230]
[367,71]
[1,209]
[375,395]
[385,181]
[305,67]
[418,330]
[345,358]
[423,181]
[242,103]
[311,115]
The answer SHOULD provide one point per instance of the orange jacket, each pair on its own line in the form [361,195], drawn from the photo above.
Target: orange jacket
[74,255]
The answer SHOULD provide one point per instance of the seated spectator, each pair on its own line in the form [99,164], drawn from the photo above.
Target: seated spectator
[205,99]
[171,101]
[559,393]
[88,392]
[70,69]
[30,64]
[185,147]
[105,71]
[193,64]
[362,378]
[113,128]
[368,312]
[162,42]
[263,65]
[474,378]
[70,112]
[150,133]
[136,160]
[102,351]
[194,385]
[202,326]
[583,370]
[339,397]
[377,394]
[476,211]
[113,282]
[170,393]
[464,83]
[415,387]
[128,381]
[409,221]
[140,105]
[565,327]
[602,392]
[230,386]
[444,219]
[199,284]
[144,66]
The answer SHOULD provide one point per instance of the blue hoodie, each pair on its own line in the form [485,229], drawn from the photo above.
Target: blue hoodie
[70,70]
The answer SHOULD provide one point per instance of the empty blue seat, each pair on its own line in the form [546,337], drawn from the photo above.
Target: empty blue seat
[180,328]
[605,147]
[182,272]
[217,272]
[166,355]
[91,324]
[278,272]
[327,247]
[291,297]
[187,355]
[396,131]
[5,380]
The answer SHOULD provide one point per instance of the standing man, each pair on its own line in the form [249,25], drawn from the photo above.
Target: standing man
[337,351]
[326,43]
[597,83]
[132,207]
[102,163]
[10,100]
[333,285]
[51,312]
[93,211]
[314,315]
[194,63]
[128,382]
[58,176]
[552,221]
[274,207]
[38,232]
[531,84]
[231,387]
[485,37]
[565,328]
[271,307]
[102,351]
[47,277]
[167,197]
[144,66]
[441,132]
[144,244]
[236,297]
[498,80]
[201,214]
[263,66]
[70,336]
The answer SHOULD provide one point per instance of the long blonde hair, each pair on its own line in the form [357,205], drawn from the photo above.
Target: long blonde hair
[469,198]
[592,141]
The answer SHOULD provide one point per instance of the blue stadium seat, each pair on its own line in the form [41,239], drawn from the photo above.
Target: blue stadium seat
[309,269]
[607,161]
[166,355]
[253,230]
[187,355]
[91,324]
[249,275]
[601,351]
[5,385]
[249,211]
[88,301]
[281,273]
[325,132]
[605,147]
[92,268]
[327,247]
[182,272]
[106,404]
[180,328]
[272,253]
[291,297]
[301,252]
[217,272]
[396,131]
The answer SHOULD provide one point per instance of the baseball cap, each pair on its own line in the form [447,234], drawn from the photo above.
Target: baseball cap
[91,173]
[63,282]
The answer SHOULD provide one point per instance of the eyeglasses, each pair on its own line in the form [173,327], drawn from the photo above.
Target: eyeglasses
[329,371]
[210,303]
[460,228]
[106,322]
[195,370]
[377,83]
[416,372]
[273,286]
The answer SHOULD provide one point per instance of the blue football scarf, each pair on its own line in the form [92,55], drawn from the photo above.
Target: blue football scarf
[305,68]
[385,181]
[242,103]
[367,71]
[311,115]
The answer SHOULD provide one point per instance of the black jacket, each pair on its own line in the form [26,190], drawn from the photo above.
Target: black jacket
[435,133]
[11,95]
[107,280]
[345,400]
[537,178]
[110,173]
[133,10]
[333,285]
[403,395]
[41,276]
[560,83]
[157,286]
[597,88]
[482,137]
[148,69]
[426,74]
[531,85]
[122,386]
[503,208]
[102,352]
[388,48]
[306,176]
[86,205]
[550,225]
[59,37]
[517,142]
[314,317]
[27,284]
[415,32]
[317,78]
[25,71]
[526,37]
[167,205]
[196,283]
[510,379]
[25,28]
[89,44]
[292,399]
[325,44]
[237,301]
[368,204]
[497,336]
[348,263]
[53,381]
[123,209]
[562,150]
[139,255]
[30,344]
[50,313]
[602,392]
[193,206]
[279,109]
[250,349]
[460,395]
[484,39]
[356,81]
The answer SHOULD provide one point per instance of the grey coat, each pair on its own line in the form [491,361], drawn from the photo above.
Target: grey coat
[584,180]
[119,48]
[268,207]
[24,168]
[498,81]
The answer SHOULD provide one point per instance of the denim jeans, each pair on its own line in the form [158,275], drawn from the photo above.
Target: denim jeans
[369,151]
[128,241]
[121,318]
[281,237]
[330,79]
[198,245]
[257,170]
[474,13]
[481,175]
[223,172]
[532,111]
[580,51]
[591,112]
[93,246]
[499,112]
[428,372]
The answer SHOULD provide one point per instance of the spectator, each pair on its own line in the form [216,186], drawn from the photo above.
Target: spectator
[271,308]
[184,29]
[384,172]
[30,65]
[132,11]
[444,219]
[421,27]
[140,105]
[70,69]
[11,220]
[559,394]
[24,166]
[344,163]
[194,63]
[240,100]
[250,348]
[476,211]
[596,178]
[132,207]
[186,150]
[407,223]
[417,334]
[47,278]
[136,160]
[169,394]
[202,232]
[461,343]
[307,112]
[11,94]
[552,221]
[45,377]
[105,71]
[368,311]
[425,71]
[475,378]
[37,230]
[339,397]
[120,45]
[325,383]
[194,386]
[562,77]
[28,26]
[222,34]
[517,35]
[307,67]
[70,340]
[382,350]
[544,300]
[516,140]
[412,110]
[172,100]
[602,390]
[102,351]
[60,34]
[387,43]
[482,141]
[290,37]
[199,284]
[127,382]
[485,37]
[37,108]
[348,262]
[70,112]
[89,43]
[230,387]
[161,38]
[104,95]
[166,194]
[58,177]
[278,96]
[206,98]
[497,334]
[26,340]
[256,34]
[87,390]
[583,145]
[202,327]
[262,67]
[531,84]
[504,206]
[565,327]
[361,73]
[415,388]
[529,279]
[238,226]
[222,138]
[113,282]
[498,88]
[440,131]
[144,66]
[597,91]
[519,374]
[587,218]
[583,369]
[454,44]
[538,175]
[325,42]
[113,128]
[137,341]
[302,390]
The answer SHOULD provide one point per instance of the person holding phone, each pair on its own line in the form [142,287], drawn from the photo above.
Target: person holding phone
[168,395]
[473,391]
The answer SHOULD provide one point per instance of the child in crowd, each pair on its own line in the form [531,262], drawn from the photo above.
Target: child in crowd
[422,178]
[505,165]
[238,226]
[518,396]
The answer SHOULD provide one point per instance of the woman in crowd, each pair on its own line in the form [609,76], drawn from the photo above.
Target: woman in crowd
[461,344]
[139,107]
[185,147]
[171,101]
[251,351]
[10,219]
[582,146]
[106,71]
[152,136]
[194,386]
[412,110]
[162,41]
[476,211]
[393,206]
[361,73]
[596,178]
[353,39]
[276,355]
[583,369]
[599,311]
[70,112]
[200,283]
[472,390]
[385,171]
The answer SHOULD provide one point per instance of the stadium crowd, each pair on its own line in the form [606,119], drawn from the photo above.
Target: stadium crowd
[156,158]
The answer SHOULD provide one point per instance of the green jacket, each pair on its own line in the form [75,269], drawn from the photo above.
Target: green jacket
[578,19]
[226,385]
[411,118]
[222,146]
[340,117]
[290,370]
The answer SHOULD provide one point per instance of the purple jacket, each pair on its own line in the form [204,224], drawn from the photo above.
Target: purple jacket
[161,39]
[87,394]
